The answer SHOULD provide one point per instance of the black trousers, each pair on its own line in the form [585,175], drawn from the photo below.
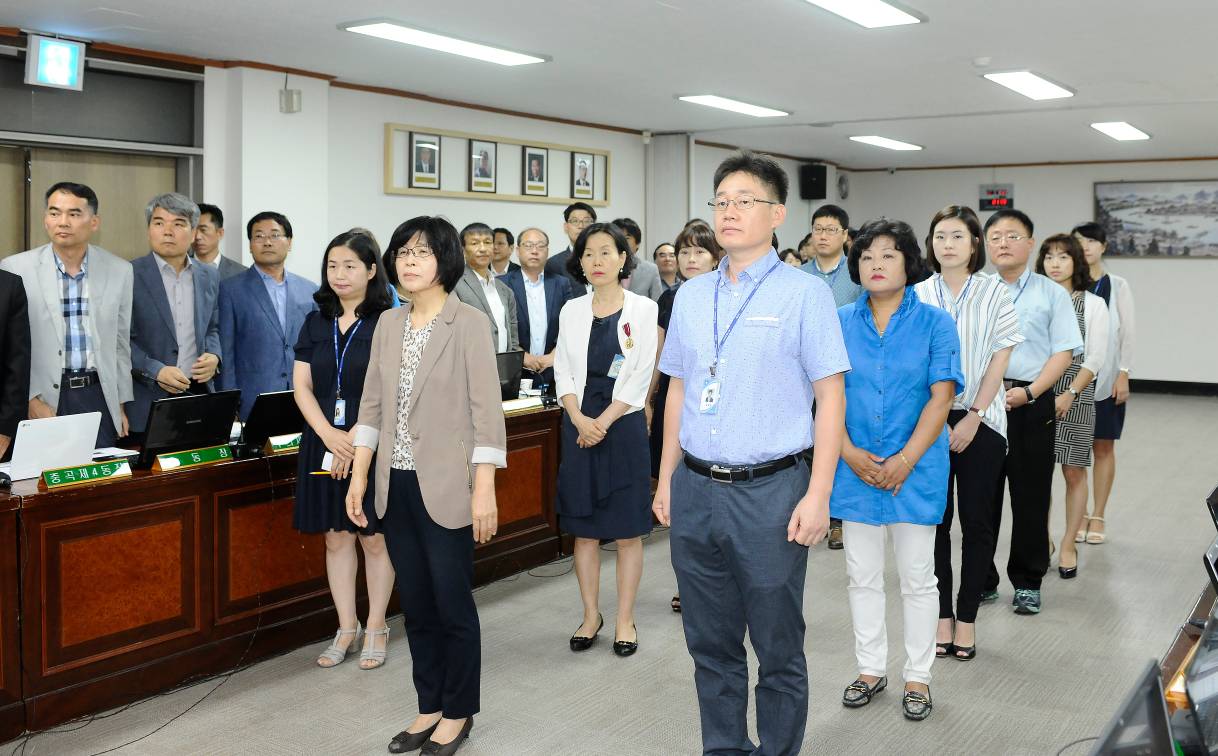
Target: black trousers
[78,401]
[435,579]
[971,487]
[1029,473]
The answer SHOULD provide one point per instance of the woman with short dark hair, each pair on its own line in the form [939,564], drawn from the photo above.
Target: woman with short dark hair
[892,478]
[332,354]
[1061,259]
[432,406]
[988,328]
[602,369]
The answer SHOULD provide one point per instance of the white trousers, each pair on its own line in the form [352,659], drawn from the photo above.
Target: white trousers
[914,546]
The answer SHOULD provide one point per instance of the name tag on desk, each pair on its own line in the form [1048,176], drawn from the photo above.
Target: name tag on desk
[615,368]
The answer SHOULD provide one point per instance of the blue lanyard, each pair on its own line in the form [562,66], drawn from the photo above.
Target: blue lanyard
[1021,288]
[956,302]
[719,344]
[341,358]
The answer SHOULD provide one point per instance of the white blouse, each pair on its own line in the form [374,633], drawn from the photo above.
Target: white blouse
[1120,337]
[987,323]
[1095,341]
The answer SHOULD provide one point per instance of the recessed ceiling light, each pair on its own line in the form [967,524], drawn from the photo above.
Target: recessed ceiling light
[885,142]
[1121,131]
[1030,85]
[736,106]
[396,32]
[870,14]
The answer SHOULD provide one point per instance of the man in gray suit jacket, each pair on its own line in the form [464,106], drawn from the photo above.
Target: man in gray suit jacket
[206,245]
[645,280]
[175,312]
[479,288]
[79,300]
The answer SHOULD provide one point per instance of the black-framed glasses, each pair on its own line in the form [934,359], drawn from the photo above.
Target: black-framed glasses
[742,203]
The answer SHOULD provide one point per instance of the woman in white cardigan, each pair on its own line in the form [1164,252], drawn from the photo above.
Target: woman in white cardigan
[602,369]
[1061,259]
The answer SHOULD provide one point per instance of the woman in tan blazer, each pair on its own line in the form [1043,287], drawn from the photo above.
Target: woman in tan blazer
[432,404]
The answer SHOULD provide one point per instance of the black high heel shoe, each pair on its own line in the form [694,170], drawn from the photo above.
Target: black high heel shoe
[405,742]
[582,643]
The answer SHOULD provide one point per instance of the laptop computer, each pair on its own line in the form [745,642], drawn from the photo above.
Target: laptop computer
[1201,685]
[51,442]
[1211,563]
[1140,726]
[510,365]
[274,414]
[1211,501]
[188,421]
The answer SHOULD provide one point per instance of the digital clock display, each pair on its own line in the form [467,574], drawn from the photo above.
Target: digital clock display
[996,197]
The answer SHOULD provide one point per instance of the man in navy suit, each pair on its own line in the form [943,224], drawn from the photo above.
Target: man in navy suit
[539,298]
[175,313]
[261,312]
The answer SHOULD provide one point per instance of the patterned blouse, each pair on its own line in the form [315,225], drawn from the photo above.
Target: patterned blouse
[413,344]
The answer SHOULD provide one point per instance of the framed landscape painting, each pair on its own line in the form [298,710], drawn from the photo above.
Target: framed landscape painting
[1159,218]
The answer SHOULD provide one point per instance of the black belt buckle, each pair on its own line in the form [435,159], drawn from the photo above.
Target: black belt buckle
[79,381]
[721,474]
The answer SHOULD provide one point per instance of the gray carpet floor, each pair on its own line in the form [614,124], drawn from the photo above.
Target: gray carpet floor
[1037,684]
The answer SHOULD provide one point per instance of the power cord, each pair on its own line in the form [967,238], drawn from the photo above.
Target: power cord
[1071,744]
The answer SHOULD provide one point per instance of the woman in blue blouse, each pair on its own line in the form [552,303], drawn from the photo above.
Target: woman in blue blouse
[892,478]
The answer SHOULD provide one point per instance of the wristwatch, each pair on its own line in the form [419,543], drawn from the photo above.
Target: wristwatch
[1027,390]
[975,409]
[1072,391]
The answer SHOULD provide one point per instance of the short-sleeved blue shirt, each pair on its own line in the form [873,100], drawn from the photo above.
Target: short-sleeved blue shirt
[787,338]
[886,391]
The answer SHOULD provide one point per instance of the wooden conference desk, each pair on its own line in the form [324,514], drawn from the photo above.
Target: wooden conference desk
[131,587]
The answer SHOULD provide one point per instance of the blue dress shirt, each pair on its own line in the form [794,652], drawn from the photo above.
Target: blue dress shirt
[885,394]
[278,292]
[786,339]
[1048,322]
[845,291]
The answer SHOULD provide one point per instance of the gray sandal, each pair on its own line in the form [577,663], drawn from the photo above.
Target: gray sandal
[375,655]
[334,654]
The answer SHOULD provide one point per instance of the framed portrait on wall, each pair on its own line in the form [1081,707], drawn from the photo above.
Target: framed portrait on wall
[424,161]
[483,166]
[583,177]
[1159,218]
[535,171]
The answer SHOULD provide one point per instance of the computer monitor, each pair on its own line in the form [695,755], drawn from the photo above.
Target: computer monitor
[1211,563]
[510,365]
[1211,502]
[1140,726]
[274,414]
[1201,685]
[188,421]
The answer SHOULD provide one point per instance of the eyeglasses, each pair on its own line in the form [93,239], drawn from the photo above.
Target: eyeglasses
[828,230]
[580,222]
[272,237]
[530,246]
[418,253]
[742,203]
[1012,238]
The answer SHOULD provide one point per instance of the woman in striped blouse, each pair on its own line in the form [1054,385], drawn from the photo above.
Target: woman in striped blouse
[989,330]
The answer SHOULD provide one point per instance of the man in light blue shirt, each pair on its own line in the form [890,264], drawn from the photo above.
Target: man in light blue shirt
[1051,337]
[748,347]
[830,224]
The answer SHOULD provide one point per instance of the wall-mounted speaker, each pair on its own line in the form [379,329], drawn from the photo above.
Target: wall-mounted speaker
[813,181]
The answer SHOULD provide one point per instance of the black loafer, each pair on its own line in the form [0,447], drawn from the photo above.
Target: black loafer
[405,742]
[582,643]
[432,748]
[859,693]
[626,648]
[917,706]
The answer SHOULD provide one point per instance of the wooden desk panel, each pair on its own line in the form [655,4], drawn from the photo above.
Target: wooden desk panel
[133,586]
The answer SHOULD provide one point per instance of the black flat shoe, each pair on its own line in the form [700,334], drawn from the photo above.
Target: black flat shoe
[859,693]
[626,648]
[432,748]
[405,742]
[1068,573]
[582,643]
[917,706]
[964,653]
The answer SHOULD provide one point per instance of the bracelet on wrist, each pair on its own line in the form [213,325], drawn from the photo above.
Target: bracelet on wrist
[975,409]
[906,461]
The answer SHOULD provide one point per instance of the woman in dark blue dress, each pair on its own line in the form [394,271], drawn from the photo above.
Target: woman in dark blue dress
[353,294]
[602,370]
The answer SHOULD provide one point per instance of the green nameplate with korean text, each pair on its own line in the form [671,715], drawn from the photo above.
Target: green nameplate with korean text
[193,458]
[285,444]
[83,475]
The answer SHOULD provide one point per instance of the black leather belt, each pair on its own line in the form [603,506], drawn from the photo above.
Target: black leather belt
[1010,383]
[739,473]
[75,379]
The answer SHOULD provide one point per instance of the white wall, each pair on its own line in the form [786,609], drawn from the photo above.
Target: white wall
[356,156]
[1174,298]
